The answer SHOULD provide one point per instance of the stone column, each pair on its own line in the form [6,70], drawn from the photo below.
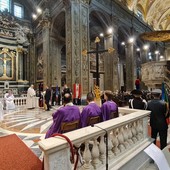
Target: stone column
[45,23]
[17,60]
[116,75]
[20,63]
[111,66]
[167,51]
[55,54]
[30,63]
[130,67]
[77,28]
[120,70]
[25,55]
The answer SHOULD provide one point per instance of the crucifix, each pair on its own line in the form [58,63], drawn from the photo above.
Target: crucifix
[97,51]
[6,57]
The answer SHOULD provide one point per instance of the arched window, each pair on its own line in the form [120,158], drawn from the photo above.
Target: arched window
[4,4]
[18,10]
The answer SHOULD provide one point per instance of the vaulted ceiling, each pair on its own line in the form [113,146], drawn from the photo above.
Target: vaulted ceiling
[155,12]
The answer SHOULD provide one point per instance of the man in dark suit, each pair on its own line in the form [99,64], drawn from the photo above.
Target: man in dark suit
[158,122]
[47,97]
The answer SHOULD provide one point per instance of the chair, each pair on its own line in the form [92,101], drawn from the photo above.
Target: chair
[93,120]
[69,126]
[114,114]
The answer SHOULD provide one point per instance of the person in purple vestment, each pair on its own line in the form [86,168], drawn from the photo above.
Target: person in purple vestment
[91,110]
[66,113]
[109,106]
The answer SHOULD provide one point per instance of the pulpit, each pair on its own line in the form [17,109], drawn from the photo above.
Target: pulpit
[154,73]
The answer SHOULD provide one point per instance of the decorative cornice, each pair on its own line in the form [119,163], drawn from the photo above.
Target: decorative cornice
[157,36]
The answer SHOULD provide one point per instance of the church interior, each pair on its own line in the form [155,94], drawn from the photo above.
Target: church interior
[93,43]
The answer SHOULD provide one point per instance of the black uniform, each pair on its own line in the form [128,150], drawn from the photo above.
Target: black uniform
[47,98]
[137,103]
[158,120]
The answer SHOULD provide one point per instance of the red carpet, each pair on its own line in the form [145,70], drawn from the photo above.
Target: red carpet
[15,155]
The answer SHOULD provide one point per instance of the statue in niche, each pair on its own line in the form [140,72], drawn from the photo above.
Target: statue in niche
[21,35]
[46,14]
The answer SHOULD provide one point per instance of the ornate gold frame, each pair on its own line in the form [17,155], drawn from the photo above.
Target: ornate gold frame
[5,51]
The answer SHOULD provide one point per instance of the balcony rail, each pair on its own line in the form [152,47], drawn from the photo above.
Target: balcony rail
[21,101]
[127,137]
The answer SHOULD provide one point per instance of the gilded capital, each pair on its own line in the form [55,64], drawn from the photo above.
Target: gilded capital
[19,50]
[5,50]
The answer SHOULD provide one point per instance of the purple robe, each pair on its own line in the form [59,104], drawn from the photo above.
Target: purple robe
[63,114]
[91,110]
[107,108]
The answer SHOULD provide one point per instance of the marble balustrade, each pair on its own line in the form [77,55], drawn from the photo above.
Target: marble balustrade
[127,136]
[21,101]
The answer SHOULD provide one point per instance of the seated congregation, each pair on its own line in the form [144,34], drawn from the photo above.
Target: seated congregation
[68,117]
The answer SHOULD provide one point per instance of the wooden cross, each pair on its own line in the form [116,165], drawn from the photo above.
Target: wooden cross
[97,51]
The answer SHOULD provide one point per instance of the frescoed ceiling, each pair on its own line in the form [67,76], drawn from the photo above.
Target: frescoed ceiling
[155,12]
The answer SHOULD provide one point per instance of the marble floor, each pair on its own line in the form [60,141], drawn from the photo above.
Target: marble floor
[31,126]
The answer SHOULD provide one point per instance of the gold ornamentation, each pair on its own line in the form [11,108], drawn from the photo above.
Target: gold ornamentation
[97,92]
[5,50]
[84,52]
[97,40]
[110,50]
[19,50]
[159,36]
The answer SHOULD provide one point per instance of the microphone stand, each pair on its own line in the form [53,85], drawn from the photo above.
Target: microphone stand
[106,144]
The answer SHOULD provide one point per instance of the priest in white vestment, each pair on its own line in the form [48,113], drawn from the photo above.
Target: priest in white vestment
[9,100]
[31,101]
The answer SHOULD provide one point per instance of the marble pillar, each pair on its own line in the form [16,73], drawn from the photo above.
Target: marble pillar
[46,52]
[17,60]
[30,63]
[167,51]
[121,78]
[77,28]
[111,66]
[130,67]
[25,55]
[55,54]
[20,64]
[144,57]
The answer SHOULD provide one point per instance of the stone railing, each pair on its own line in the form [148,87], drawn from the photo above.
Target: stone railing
[127,137]
[21,101]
